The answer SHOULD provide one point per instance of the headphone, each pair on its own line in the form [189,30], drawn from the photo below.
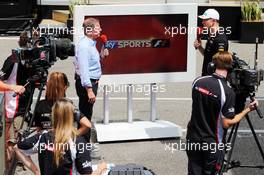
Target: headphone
[211,67]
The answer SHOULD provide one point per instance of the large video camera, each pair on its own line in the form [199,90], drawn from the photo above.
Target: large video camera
[242,78]
[42,54]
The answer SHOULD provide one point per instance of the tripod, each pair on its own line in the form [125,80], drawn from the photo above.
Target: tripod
[11,169]
[228,164]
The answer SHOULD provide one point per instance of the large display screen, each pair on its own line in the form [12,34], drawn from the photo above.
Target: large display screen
[147,43]
[140,44]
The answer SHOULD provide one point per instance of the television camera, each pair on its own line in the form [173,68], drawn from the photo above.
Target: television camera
[243,79]
[42,54]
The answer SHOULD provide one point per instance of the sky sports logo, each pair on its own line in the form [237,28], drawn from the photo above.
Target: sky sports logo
[154,43]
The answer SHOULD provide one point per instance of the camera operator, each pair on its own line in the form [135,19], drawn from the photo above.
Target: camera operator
[217,40]
[212,113]
[15,74]
[61,150]
[88,67]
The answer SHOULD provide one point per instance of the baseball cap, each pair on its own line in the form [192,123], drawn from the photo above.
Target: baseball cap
[210,13]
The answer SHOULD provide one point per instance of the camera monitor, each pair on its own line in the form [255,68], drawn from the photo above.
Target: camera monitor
[147,43]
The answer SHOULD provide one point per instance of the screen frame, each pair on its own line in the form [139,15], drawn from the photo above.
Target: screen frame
[81,11]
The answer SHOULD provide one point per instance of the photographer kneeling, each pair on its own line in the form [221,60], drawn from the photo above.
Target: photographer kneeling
[213,111]
[59,150]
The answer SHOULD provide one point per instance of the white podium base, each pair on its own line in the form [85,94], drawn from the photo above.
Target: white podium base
[138,130]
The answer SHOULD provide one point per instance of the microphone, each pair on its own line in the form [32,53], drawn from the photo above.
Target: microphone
[104,50]
[103,38]
[199,33]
